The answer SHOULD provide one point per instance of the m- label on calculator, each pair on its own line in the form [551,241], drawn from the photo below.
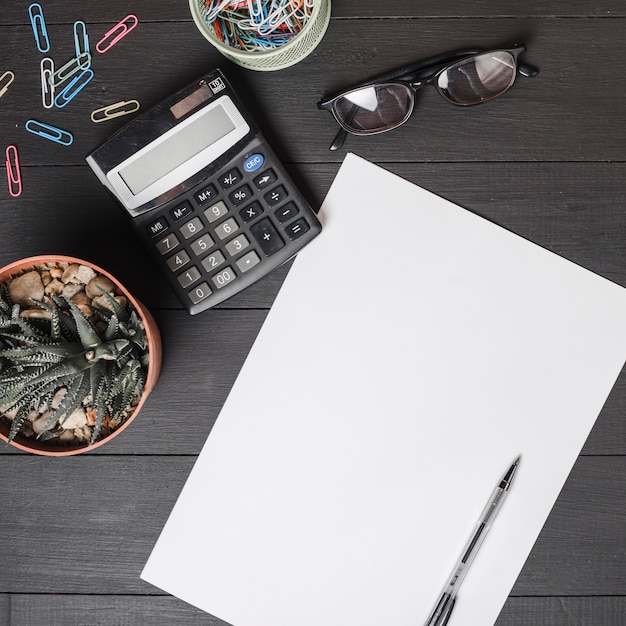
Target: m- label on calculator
[205,192]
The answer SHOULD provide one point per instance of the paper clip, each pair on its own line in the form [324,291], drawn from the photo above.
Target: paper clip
[14,174]
[121,29]
[47,84]
[81,39]
[38,23]
[4,84]
[73,88]
[49,132]
[114,110]
[73,66]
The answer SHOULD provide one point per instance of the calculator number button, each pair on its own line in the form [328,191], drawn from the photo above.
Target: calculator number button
[167,244]
[157,227]
[181,211]
[222,279]
[285,213]
[201,245]
[297,229]
[191,228]
[265,179]
[241,195]
[178,260]
[237,245]
[251,212]
[189,277]
[205,195]
[267,236]
[212,261]
[232,177]
[215,212]
[275,196]
[248,261]
[201,292]
[226,228]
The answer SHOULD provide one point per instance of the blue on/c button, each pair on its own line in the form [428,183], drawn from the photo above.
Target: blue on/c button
[253,162]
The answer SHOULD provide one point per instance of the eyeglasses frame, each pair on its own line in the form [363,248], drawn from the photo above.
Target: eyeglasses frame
[416,76]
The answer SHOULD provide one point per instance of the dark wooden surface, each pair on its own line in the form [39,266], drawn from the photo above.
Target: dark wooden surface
[546,161]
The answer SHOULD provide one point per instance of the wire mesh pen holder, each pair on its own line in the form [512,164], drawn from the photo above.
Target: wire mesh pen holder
[285,55]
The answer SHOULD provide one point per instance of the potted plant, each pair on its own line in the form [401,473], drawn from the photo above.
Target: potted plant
[78,355]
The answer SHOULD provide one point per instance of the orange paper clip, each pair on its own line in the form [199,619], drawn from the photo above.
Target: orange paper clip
[114,110]
[14,174]
[121,29]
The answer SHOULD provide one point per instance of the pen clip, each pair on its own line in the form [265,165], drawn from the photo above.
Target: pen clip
[446,616]
[121,29]
[14,174]
[4,84]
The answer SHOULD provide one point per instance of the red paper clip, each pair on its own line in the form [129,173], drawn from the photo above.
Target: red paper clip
[121,29]
[14,174]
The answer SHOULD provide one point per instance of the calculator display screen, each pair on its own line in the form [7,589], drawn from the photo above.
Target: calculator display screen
[165,156]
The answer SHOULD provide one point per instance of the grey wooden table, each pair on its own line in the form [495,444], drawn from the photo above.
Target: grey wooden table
[546,161]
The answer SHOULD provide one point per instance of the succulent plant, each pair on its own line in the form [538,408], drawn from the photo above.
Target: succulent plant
[101,362]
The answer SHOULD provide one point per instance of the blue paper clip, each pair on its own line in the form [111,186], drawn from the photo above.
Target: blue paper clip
[71,90]
[47,83]
[81,39]
[35,11]
[52,133]
[73,66]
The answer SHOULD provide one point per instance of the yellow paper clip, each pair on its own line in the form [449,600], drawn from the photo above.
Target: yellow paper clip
[14,173]
[5,80]
[121,29]
[114,110]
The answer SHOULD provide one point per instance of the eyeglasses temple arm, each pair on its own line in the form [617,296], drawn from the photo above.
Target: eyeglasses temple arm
[340,137]
[527,70]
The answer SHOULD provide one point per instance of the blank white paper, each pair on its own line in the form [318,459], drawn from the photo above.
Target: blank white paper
[414,351]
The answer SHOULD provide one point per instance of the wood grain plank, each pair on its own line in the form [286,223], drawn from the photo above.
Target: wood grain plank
[63,610]
[558,116]
[58,11]
[87,525]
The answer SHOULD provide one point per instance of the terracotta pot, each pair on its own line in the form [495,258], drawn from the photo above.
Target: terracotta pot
[154,366]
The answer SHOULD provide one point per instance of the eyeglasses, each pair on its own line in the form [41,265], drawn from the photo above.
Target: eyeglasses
[464,78]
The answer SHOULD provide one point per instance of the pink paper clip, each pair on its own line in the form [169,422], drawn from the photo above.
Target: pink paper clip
[14,174]
[121,29]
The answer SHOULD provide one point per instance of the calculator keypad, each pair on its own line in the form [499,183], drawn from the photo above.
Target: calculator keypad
[232,229]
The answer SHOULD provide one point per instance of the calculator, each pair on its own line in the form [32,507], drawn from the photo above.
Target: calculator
[205,193]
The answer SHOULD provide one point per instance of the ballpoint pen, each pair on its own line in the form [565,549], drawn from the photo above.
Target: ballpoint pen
[443,609]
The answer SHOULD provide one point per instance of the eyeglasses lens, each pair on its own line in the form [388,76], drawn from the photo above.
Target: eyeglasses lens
[478,79]
[374,109]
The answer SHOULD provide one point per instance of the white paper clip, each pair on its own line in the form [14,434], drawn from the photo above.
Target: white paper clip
[121,29]
[47,131]
[14,173]
[5,80]
[47,84]
[114,110]
[81,39]
[73,66]
[38,23]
